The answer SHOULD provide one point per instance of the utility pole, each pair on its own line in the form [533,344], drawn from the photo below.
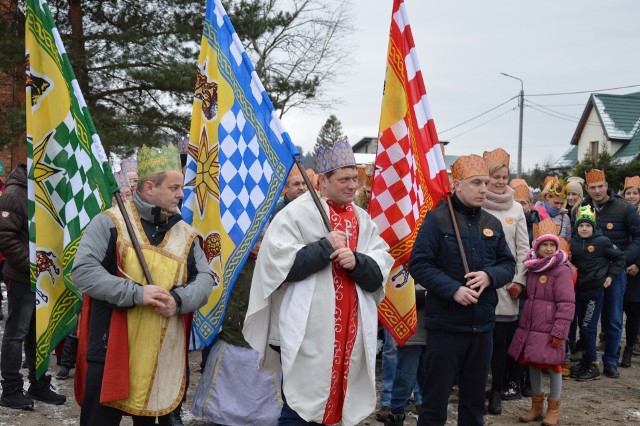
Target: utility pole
[519,169]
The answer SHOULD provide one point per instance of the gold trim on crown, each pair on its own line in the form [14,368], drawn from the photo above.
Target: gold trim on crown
[468,166]
[556,188]
[595,176]
[497,156]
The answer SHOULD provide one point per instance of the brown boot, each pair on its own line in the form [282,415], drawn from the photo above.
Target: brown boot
[535,413]
[553,411]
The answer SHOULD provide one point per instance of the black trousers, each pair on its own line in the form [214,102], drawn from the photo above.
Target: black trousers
[95,414]
[464,356]
[19,330]
[502,336]
[632,326]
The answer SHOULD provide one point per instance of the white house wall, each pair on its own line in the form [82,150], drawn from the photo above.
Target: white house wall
[593,131]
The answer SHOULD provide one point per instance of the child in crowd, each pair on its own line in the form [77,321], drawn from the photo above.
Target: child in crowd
[539,341]
[598,262]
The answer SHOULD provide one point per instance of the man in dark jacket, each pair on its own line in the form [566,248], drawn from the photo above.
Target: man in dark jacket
[20,327]
[618,221]
[460,306]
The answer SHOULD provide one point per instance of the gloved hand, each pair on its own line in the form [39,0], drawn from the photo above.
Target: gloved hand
[556,342]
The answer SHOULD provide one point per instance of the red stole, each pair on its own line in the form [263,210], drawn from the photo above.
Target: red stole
[346,314]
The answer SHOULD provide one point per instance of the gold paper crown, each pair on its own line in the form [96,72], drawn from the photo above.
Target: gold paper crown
[158,160]
[547,226]
[522,192]
[335,157]
[556,188]
[586,214]
[632,181]
[497,156]
[594,176]
[468,166]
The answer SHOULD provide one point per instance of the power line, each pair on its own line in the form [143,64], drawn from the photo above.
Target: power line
[552,115]
[549,109]
[486,122]
[584,91]
[478,116]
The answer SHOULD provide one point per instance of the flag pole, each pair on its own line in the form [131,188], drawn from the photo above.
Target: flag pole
[314,195]
[456,231]
[134,240]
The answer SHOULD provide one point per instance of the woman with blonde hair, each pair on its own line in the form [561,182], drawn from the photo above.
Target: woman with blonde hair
[552,203]
[500,203]
[631,193]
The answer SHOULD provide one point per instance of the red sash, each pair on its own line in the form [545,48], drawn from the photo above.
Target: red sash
[346,314]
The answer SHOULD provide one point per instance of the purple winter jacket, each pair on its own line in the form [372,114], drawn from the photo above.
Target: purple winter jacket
[548,311]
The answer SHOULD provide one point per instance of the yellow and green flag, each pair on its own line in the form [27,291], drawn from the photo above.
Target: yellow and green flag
[70,180]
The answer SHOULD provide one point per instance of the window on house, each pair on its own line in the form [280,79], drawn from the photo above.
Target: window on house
[595,149]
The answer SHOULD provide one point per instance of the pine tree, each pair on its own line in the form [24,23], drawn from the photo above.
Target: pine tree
[330,133]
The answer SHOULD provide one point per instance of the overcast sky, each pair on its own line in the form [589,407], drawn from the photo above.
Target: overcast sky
[463,46]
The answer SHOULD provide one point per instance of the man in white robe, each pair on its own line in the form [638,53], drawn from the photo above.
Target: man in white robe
[331,284]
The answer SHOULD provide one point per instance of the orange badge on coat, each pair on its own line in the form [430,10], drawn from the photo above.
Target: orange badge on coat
[543,279]
[609,226]
[591,249]
[487,232]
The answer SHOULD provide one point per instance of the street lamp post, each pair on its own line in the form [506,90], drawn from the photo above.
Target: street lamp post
[519,171]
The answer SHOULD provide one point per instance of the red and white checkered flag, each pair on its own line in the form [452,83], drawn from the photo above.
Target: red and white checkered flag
[410,174]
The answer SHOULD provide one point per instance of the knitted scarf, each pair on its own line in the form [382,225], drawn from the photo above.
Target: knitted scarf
[541,264]
[499,201]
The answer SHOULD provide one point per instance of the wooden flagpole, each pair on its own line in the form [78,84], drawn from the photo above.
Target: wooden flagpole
[134,240]
[314,195]
[456,231]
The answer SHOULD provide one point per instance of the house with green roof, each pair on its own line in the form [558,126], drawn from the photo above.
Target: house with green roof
[609,122]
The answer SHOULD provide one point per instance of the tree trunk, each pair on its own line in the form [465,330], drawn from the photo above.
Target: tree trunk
[78,52]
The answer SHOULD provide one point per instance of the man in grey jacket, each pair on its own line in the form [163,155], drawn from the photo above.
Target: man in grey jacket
[135,332]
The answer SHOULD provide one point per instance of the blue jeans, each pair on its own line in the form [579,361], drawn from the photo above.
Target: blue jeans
[388,368]
[410,372]
[612,318]
[19,329]
[588,309]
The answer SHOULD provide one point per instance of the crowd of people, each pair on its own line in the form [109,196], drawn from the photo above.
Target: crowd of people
[508,288]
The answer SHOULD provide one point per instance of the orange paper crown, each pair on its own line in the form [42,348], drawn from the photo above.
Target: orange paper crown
[548,179]
[564,245]
[522,192]
[313,177]
[468,166]
[295,171]
[594,176]
[632,181]
[497,156]
[517,182]
[547,226]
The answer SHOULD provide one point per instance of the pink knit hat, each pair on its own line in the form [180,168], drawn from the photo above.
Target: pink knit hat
[545,237]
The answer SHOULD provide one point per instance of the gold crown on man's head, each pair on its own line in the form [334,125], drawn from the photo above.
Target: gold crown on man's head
[595,176]
[335,157]
[468,166]
[497,156]
[158,160]
[632,182]
[546,226]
